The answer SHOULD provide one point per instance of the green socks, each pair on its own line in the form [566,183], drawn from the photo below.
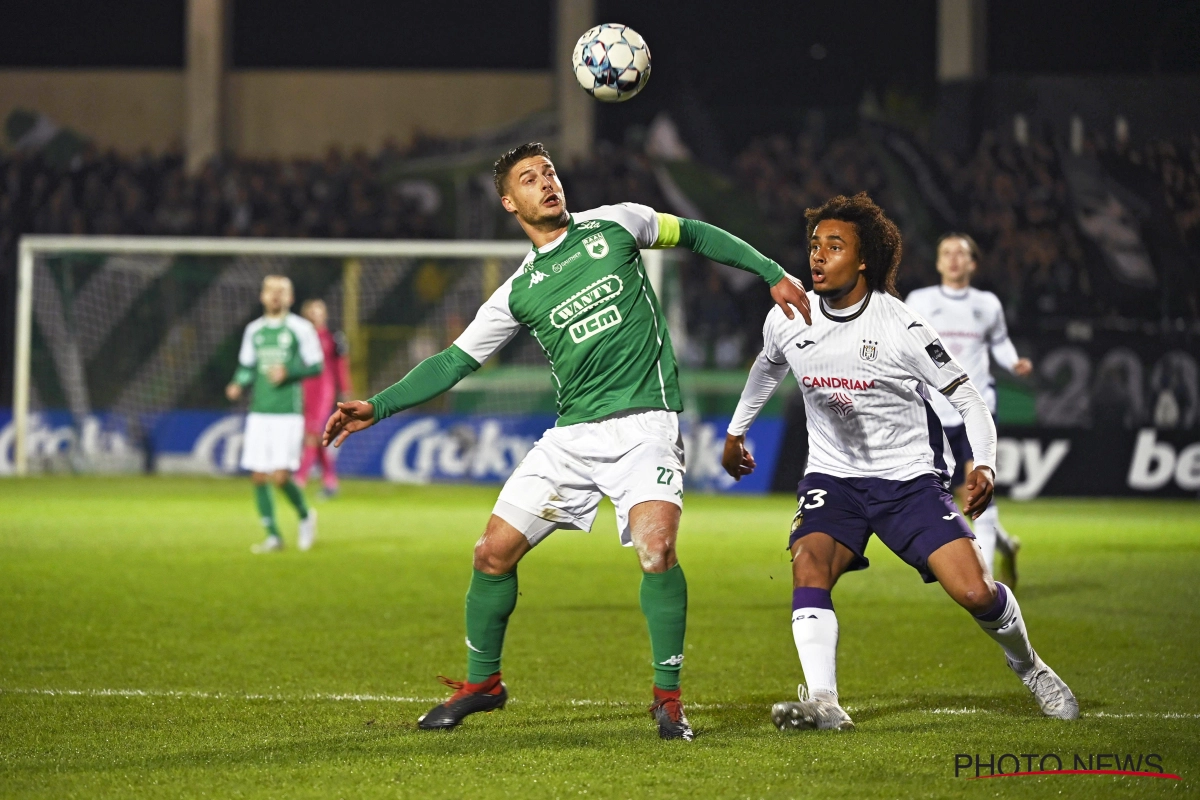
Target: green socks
[664,602]
[295,496]
[492,598]
[266,508]
[490,601]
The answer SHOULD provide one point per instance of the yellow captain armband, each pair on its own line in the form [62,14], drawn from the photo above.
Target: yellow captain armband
[668,231]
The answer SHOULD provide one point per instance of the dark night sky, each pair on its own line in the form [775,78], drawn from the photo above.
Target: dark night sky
[749,66]
[752,45]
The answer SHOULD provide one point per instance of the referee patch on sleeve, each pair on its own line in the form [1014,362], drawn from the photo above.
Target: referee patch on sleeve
[954,384]
[938,353]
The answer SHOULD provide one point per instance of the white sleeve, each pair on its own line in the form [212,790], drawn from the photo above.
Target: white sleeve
[922,352]
[246,355]
[761,383]
[493,327]
[641,221]
[765,374]
[1004,352]
[981,431]
[310,343]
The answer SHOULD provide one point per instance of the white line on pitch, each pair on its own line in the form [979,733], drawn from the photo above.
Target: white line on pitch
[388,698]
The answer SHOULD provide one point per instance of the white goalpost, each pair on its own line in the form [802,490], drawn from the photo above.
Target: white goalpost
[133,326]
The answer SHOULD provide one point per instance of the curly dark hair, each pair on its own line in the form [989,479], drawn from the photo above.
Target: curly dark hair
[506,162]
[879,241]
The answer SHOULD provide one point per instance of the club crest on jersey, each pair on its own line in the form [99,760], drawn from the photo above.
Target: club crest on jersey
[869,351]
[841,403]
[536,278]
[596,245]
[285,339]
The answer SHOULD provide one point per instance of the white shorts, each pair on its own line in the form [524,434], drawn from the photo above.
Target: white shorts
[272,442]
[629,457]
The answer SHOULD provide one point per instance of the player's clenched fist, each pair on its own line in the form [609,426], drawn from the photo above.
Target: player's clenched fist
[349,418]
[980,486]
[736,459]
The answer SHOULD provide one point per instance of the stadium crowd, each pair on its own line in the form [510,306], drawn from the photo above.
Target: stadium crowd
[1012,198]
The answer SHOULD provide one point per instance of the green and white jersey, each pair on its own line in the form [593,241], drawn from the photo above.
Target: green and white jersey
[587,300]
[291,341]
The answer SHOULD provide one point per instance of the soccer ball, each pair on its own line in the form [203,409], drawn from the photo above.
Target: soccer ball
[611,62]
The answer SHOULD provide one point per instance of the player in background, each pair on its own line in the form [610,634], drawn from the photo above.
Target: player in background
[971,323]
[583,293]
[278,350]
[876,460]
[321,392]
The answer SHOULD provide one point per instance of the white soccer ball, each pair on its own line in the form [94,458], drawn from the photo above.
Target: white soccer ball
[611,62]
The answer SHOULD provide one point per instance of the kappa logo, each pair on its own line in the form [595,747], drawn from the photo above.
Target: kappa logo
[536,278]
[596,245]
[473,647]
[673,661]
[583,301]
[841,403]
[869,351]
[602,320]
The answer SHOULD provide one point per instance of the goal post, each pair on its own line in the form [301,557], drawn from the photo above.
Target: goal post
[79,296]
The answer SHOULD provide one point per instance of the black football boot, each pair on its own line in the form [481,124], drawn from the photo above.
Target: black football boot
[667,711]
[468,698]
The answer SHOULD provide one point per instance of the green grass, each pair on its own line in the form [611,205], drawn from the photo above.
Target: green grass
[250,664]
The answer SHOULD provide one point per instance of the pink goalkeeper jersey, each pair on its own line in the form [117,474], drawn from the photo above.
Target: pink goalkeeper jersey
[321,391]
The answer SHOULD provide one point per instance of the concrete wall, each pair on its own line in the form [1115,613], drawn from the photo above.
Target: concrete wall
[280,112]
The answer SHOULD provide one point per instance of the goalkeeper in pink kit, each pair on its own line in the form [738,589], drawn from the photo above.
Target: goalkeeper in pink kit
[321,392]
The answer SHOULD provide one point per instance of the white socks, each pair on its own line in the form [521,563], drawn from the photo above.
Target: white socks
[816,633]
[1005,624]
[987,527]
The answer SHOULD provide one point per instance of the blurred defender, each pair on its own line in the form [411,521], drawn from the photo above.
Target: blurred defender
[971,323]
[876,460]
[278,350]
[583,293]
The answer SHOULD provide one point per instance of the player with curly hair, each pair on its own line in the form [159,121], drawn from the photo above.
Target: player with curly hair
[877,455]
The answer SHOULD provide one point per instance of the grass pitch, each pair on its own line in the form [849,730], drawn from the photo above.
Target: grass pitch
[145,652]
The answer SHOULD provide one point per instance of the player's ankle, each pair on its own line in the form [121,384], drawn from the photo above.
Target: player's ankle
[489,685]
[666,694]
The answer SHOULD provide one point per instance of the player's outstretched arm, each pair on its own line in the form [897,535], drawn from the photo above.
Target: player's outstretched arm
[433,376]
[725,248]
[761,383]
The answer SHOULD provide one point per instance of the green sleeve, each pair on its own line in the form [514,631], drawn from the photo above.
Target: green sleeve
[244,376]
[425,381]
[298,370]
[725,248]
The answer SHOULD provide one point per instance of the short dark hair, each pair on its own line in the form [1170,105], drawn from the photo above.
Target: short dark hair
[506,162]
[879,242]
[972,246]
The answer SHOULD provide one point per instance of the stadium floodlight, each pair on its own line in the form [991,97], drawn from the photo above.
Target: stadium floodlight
[131,326]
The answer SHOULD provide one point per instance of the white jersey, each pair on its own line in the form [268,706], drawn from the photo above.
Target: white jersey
[864,378]
[969,322]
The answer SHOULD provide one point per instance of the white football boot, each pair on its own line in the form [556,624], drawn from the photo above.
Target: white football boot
[1053,696]
[308,530]
[271,544]
[817,713]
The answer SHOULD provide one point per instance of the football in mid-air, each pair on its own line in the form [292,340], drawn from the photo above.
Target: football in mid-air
[611,62]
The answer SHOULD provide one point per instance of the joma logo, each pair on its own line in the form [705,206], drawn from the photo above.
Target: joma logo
[602,320]
[585,300]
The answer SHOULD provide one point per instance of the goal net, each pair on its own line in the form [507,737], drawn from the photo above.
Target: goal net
[125,344]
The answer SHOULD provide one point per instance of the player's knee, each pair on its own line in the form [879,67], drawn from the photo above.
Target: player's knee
[978,597]
[656,553]
[810,571]
[280,478]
